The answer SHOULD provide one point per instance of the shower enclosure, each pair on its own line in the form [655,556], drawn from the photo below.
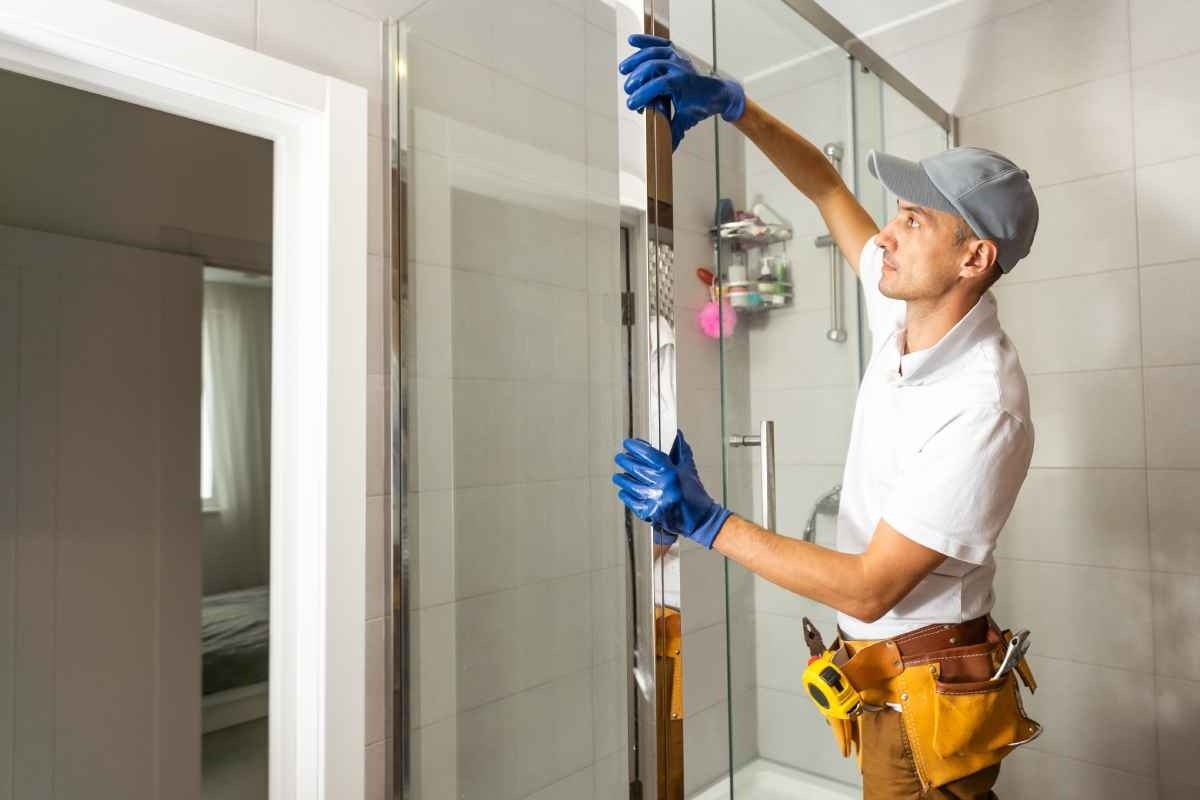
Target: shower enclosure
[787,373]
[543,267]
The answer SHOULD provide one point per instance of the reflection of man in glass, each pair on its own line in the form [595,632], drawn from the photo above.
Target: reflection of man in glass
[940,445]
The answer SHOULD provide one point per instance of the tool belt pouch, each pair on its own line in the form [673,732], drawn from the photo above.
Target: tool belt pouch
[957,720]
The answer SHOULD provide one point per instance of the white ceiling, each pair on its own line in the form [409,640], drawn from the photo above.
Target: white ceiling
[756,35]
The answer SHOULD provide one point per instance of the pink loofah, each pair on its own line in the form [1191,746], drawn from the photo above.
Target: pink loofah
[714,324]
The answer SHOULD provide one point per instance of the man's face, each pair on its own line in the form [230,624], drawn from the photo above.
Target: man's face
[922,255]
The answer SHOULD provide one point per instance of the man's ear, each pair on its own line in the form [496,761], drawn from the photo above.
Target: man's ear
[981,255]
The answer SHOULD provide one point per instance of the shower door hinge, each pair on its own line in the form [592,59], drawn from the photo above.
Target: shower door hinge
[627,317]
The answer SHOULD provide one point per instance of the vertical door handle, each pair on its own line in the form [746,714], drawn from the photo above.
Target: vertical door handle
[766,441]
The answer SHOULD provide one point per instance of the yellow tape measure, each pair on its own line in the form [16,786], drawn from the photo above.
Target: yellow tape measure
[829,688]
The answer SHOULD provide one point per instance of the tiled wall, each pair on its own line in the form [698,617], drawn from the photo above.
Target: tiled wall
[1101,558]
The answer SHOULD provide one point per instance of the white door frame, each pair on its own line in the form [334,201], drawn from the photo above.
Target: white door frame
[318,473]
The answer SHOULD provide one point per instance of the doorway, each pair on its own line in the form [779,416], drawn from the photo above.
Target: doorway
[318,128]
[137,263]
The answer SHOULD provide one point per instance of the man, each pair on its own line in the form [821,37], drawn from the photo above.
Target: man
[940,445]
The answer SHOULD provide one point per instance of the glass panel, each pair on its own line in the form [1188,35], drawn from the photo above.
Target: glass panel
[793,356]
[512,393]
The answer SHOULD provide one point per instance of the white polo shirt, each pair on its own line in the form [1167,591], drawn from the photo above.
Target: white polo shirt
[940,446]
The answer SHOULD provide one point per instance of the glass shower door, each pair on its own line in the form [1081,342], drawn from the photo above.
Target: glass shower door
[798,366]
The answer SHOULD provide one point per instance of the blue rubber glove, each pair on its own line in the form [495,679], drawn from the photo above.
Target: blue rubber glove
[657,72]
[666,490]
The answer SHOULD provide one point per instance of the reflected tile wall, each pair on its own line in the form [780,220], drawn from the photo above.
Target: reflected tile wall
[517,536]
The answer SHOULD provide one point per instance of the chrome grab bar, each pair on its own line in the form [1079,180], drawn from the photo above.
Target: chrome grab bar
[837,329]
[765,440]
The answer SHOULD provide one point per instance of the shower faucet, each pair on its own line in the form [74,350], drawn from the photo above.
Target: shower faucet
[828,503]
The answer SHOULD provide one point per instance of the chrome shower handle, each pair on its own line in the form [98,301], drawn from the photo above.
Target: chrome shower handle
[765,440]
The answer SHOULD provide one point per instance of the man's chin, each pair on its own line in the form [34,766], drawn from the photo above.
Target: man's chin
[889,290]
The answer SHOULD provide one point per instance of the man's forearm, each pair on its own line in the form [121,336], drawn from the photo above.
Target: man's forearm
[838,580]
[798,159]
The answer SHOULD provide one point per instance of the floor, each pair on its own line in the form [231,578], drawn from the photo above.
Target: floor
[766,780]
[235,762]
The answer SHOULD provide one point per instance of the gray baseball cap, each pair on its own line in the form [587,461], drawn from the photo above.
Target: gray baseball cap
[987,190]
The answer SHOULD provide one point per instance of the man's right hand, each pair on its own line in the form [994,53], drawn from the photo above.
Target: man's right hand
[659,77]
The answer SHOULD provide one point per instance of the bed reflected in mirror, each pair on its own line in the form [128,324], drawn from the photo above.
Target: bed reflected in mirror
[235,490]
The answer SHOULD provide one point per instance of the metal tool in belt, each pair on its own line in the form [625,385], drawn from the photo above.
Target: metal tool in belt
[827,685]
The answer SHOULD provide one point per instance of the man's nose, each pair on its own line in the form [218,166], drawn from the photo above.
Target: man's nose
[885,239]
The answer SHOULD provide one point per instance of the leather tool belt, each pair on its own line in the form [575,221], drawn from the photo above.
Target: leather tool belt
[957,720]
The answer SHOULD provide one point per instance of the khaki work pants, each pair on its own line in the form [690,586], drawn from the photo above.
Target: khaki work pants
[889,773]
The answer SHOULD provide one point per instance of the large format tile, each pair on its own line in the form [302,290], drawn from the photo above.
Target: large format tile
[375,770]
[705,746]
[813,424]
[610,614]
[1086,322]
[1175,520]
[1028,773]
[1095,714]
[791,731]
[1069,242]
[552,630]
[435,690]
[781,652]
[610,723]
[431,317]
[702,588]
[1169,335]
[435,759]
[1166,111]
[431,228]
[231,20]
[472,104]
[327,38]
[1172,427]
[1080,516]
[551,726]
[1073,429]
[939,23]
[376,706]
[793,352]
[704,672]
[612,776]
[1167,196]
[486,658]
[1088,614]
[486,531]
[1156,28]
[1176,620]
[378,182]
[797,489]
[481,415]
[431,543]
[579,786]
[1052,136]
[772,599]
[1042,48]
[377,450]
[378,541]
[1178,705]
[378,319]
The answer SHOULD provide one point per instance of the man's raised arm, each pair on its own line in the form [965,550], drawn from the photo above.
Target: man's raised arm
[814,175]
